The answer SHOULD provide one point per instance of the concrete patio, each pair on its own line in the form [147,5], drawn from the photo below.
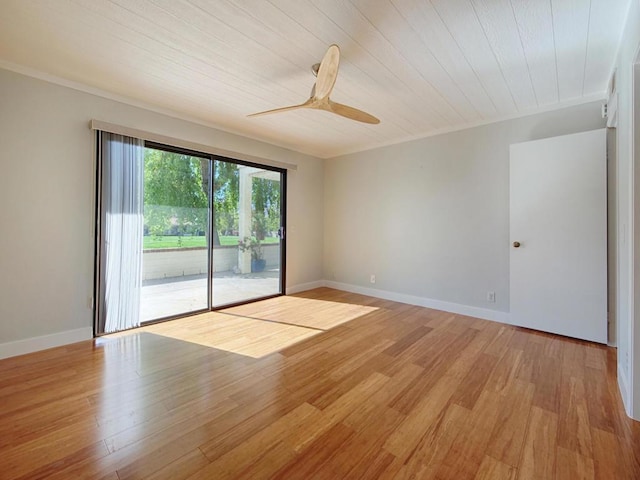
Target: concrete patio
[173,296]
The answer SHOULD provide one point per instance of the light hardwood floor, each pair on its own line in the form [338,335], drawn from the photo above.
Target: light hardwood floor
[396,392]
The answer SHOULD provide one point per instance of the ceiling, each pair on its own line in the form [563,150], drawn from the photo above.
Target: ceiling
[421,66]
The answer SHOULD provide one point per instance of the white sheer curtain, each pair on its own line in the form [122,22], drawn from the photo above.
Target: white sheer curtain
[122,230]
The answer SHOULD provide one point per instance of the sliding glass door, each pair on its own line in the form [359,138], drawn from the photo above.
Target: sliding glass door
[181,232]
[175,259]
[249,221]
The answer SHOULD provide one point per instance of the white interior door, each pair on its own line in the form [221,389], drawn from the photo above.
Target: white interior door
[558,214]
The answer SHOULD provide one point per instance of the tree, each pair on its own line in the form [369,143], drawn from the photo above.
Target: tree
[177,191]
[266,206]
[226,186]
[175,201]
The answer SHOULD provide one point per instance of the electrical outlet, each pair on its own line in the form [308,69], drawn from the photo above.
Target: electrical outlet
[491,297]
[372,278]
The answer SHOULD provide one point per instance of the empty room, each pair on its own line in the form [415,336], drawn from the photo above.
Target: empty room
[343,239]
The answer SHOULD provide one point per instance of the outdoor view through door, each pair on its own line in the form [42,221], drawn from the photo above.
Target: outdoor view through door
[211,234]
[246,254]
[175,260]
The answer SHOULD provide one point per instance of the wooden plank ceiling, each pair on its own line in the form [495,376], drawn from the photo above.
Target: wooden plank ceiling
[421,66]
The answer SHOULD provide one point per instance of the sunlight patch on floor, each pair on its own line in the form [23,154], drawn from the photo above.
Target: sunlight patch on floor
[260,328]
[304,312]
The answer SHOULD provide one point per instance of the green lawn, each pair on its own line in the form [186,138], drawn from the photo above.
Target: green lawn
[151,242]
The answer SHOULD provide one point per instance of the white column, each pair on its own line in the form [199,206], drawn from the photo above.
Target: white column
[244,215]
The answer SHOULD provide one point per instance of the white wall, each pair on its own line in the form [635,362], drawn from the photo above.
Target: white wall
[430,218]
[47,155]
[628,234]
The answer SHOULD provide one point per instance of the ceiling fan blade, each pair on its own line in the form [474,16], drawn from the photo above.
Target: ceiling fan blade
[352,113]
[327,72]
[277,110]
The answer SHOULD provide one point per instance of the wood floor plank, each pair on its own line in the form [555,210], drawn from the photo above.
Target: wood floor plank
[596,357]
[37,422]
[74,441]
[539,452]
[572,465]
[529,361]
[237,426]
[574,358]
[162,449]
[507,437]
[310,462]
[475,381]
[409,339]
[427,457]
[241,458]
[166,425]
[381,390]
[181,468]
[504,373]
[341,409]
[599,401]
[436,365]
[492,469]
[574,427]
[367,442]
[467,452]
[520,338]
[373,468]
[91,453]
[404,440]
[609,459]
[326,397]
[362,414]
[547,378]
[500,341]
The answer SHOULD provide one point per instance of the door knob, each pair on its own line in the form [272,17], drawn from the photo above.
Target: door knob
[516,244]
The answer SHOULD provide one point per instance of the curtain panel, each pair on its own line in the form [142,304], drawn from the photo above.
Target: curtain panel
[121,231]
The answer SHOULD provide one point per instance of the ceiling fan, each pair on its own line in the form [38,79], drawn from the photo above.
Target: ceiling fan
[326,72]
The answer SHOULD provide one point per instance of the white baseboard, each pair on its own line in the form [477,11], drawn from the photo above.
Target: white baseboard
[305,286]
[34,344]
[484,313]
[623,385]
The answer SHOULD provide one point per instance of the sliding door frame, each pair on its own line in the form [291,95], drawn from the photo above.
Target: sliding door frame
[97,257]
[98,260]
[283,234]
[211,226]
